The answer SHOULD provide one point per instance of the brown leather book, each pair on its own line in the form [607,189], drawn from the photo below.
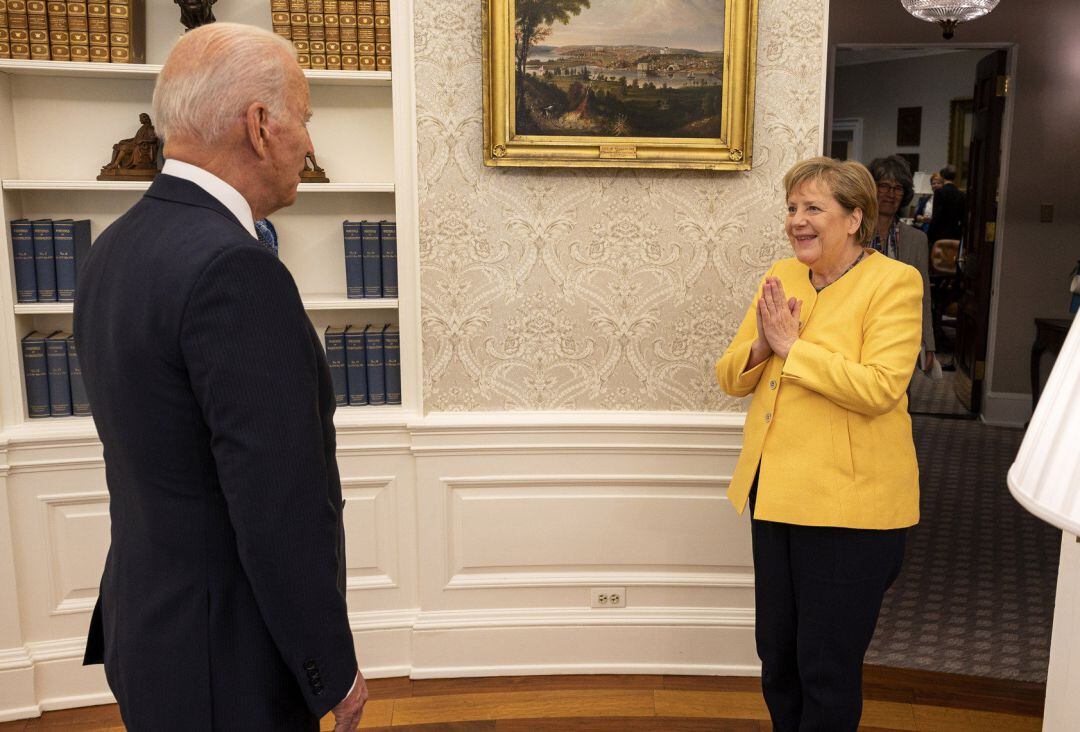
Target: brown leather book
[127,31]
[5,39]
[18,33]
[38,26]
[78,31]
[365,37]
[59,40]
[97,17]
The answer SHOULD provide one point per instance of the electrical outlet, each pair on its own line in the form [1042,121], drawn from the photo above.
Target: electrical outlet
[605,597]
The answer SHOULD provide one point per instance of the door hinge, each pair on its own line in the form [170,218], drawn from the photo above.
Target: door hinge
[1003,83]
[980,370]
[991,231]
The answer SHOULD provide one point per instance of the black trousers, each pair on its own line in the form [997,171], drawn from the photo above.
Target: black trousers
[818,592]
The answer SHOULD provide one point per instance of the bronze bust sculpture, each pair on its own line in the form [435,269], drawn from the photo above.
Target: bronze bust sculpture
[134,158]
[194,13]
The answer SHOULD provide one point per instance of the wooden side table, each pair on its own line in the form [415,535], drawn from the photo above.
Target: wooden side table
[1049,336]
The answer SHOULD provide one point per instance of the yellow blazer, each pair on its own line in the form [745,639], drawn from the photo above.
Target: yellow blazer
[829,426]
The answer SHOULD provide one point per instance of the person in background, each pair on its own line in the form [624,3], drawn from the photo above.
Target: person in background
[828,468]
[897,240]
[222,604]
[950,209]
[924,212]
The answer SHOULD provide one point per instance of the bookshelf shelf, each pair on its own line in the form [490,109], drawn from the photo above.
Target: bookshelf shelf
[45,308]
[70,69]
[330,302]
[105,185]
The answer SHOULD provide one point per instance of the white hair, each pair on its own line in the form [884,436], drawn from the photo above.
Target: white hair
[222,69]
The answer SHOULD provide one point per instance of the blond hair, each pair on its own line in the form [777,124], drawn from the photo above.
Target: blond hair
[850,183]
[214,73]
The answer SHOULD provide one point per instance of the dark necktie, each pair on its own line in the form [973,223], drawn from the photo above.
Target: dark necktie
[267,235]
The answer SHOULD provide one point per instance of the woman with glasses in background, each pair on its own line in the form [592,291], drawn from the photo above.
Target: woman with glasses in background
[899,241]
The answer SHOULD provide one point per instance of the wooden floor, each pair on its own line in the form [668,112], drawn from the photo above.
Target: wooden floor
[896,699]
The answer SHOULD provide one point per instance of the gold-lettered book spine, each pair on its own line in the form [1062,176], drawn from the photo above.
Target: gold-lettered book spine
[350,56]
[127,31]
[59,38]
[5,38]
[78,31]
[18,33]
[97,17]
[298,24]
[279,18]
[38,27]
[332,21]
[316,33]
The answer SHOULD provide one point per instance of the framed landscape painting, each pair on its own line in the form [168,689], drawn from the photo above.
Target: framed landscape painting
[619,83]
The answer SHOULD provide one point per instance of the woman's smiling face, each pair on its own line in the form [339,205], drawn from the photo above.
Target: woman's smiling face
[818,227]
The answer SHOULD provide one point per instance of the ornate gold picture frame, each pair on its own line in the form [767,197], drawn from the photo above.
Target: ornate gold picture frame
[617,84]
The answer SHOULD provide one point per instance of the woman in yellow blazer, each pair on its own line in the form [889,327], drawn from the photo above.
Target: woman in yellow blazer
[828,463]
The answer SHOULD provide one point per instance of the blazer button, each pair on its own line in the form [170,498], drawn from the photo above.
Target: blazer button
[768,417]
[772,384]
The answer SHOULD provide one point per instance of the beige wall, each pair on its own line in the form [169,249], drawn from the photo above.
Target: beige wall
[1043,157]
[564,289]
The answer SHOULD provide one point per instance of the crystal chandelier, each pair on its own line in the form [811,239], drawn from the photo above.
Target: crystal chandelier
[948,13]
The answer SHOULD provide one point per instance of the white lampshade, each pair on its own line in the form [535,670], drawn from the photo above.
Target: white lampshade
[921,183]
[1045,478]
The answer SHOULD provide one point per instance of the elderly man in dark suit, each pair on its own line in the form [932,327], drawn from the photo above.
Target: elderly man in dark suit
[950,209]
[222,604]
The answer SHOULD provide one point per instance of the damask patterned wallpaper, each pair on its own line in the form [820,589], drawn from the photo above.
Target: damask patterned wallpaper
[584,289]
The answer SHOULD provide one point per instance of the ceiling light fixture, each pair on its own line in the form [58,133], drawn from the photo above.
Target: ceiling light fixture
[948,13]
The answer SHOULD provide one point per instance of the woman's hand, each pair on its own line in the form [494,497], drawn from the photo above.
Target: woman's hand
[778,317]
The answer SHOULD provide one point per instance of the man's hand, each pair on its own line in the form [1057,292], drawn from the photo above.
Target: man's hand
[347,713]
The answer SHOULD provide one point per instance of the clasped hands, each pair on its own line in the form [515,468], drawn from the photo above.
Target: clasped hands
[777,321]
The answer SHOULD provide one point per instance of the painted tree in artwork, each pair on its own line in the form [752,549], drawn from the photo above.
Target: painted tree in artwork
[534,21]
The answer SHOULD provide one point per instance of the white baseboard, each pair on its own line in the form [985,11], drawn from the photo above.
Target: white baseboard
[10,715]
[648,669]
[1006,409]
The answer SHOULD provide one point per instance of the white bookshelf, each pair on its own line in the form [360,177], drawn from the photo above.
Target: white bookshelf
[59,120]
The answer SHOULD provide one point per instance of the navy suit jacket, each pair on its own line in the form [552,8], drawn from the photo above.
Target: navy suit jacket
[950,210]
[222,603]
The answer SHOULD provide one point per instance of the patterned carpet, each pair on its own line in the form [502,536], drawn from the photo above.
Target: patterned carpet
[935,397]
[976,595]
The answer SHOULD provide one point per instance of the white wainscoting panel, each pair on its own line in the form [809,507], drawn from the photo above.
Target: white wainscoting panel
[76,529]
[472,544]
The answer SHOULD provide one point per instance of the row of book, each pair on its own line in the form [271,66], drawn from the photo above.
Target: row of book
[47,255]
[365,364]
[350,35]
[54,383]
[113,31]
[370,259]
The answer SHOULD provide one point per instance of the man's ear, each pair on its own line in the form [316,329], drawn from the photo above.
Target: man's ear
[257,126]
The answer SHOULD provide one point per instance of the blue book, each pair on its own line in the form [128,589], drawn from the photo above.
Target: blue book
[59,380]
[376,376]
[335,358]
[80,403]
[354,259]
[369,242]
[71,241]
[392,361]
[44,260]
[22,245]
[36,371]
[356,366]
[388,248]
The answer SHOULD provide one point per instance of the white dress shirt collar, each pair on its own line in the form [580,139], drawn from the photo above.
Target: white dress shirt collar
[229,197]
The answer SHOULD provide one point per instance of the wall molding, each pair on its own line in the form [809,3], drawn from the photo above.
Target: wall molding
[13,659]
[556,669]
[558,617]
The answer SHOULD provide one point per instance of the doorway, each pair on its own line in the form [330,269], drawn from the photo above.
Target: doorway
[940,109]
